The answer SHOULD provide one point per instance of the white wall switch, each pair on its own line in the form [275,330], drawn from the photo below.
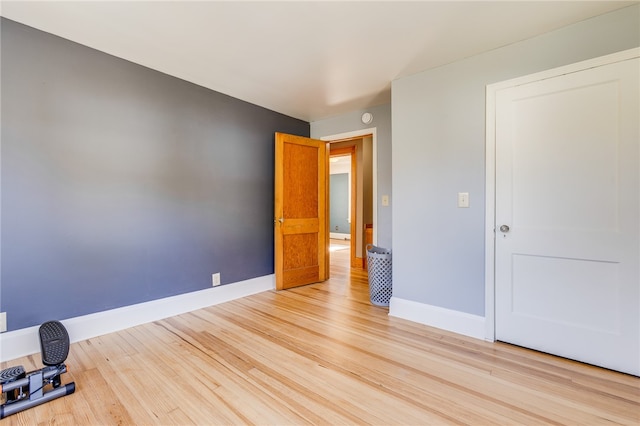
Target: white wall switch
[215,279]
[463,199]
[385,200]
[3,322]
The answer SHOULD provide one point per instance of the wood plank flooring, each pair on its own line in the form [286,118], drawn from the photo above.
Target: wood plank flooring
[322,354]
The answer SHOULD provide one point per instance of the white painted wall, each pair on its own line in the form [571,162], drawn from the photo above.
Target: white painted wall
[438,121]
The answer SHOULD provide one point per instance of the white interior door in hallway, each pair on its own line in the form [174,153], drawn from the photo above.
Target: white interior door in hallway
[567,239]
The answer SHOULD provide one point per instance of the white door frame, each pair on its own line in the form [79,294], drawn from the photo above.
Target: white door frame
[490,166]
[374,171]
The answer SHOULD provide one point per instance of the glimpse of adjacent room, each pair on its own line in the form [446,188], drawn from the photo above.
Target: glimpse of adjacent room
[351,200]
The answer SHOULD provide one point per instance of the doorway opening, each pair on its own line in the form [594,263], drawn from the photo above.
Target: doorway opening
[351,199]
[342,205]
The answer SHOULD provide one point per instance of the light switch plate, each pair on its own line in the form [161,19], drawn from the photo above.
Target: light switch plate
[3,322]
[385,200]
[463,199]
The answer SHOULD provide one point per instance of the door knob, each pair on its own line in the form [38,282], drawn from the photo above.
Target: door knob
[504,228]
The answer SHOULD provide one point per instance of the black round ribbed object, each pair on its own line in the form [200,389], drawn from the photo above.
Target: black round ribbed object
[54,343]
[12,373]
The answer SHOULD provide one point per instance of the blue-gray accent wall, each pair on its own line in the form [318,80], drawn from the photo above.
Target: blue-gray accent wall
[120,184]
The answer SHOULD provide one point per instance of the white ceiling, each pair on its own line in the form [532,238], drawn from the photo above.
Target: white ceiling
[308,60]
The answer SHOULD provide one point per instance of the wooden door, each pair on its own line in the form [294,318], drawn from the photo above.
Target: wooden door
[301,211]
[567,215]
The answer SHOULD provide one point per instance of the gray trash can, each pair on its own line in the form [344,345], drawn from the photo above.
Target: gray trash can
[379,268]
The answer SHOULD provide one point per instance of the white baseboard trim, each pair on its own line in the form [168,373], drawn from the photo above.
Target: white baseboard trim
[19,343]
[435,316]
[339,236]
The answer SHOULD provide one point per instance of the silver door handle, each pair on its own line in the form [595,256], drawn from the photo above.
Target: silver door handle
[504,228]
[281,220]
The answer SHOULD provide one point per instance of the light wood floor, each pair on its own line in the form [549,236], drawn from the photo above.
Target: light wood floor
[322,354]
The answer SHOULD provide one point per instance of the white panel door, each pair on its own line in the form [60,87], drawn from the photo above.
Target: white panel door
[568,189]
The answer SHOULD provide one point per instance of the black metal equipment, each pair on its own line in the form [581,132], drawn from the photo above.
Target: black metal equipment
[21,390]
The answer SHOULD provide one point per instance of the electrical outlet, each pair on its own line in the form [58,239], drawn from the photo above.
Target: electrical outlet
[3,322]
[215,279]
